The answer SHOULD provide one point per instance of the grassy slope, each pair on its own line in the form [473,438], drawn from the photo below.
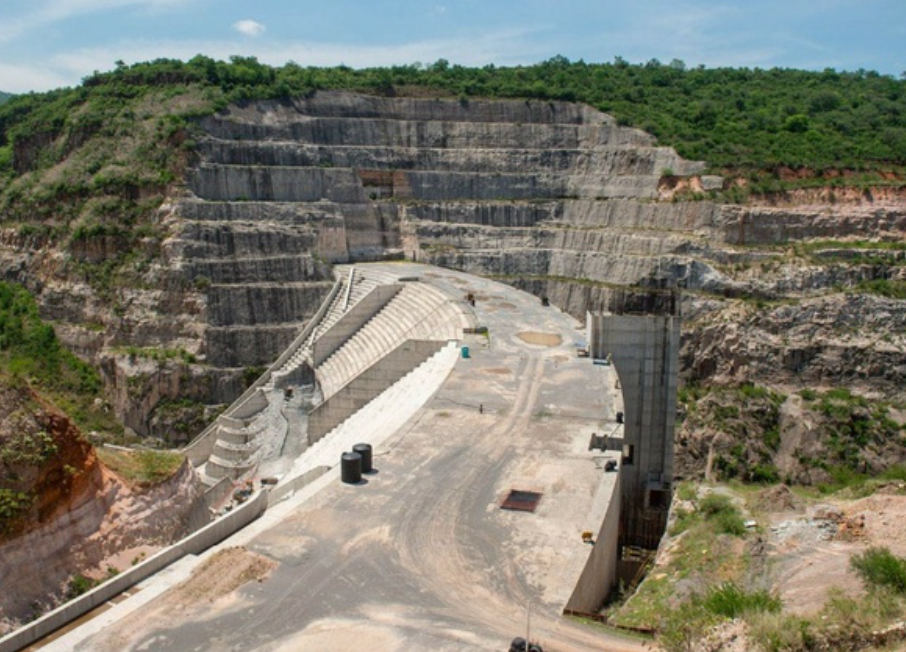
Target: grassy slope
[707,576]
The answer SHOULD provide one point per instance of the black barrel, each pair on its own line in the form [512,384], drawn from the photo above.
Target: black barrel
[351,468]
[365,451]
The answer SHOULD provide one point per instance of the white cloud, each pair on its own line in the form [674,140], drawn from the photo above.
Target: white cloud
[249,28]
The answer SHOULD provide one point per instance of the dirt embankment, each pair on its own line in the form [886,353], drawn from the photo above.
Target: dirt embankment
[69,520]
[46,466]
[830,187]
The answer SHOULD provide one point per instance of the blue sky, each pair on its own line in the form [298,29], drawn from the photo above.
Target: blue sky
[50,43]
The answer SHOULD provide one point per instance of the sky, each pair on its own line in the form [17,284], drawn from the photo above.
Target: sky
[47,44]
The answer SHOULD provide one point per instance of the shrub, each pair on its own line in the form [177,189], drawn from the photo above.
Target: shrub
[751,391]
[13,504]
[720,510]
[683,627]
[765,474]
[78,585]
[776,632]
[880,567]
[713,504]
[730,523]
[684,519]
[729,601]
[797,123]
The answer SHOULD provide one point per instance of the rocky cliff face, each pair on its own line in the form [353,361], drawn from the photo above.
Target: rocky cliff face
[561,201]
[45,462]
[103,530]
[553,197]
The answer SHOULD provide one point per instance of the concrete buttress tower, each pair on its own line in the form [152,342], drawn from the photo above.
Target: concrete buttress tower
[644,349]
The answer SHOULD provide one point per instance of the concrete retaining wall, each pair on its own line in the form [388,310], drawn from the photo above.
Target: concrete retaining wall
[283,490]
[215,495]
[645,353]
[600,573]
[351,321]
[367,385]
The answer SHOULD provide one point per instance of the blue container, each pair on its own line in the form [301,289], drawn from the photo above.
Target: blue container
[465,352]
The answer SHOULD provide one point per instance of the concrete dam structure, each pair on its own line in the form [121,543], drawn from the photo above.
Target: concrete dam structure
[287,199]
[644,350]
[427,543]
[518,189]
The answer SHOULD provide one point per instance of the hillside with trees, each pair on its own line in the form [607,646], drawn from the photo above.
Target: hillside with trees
[732,118]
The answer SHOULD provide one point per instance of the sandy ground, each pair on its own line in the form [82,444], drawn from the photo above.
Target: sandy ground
[211,587]
[541,339]
[809,549]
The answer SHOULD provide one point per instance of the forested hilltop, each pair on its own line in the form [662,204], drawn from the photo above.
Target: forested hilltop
[4,97]
[742,121]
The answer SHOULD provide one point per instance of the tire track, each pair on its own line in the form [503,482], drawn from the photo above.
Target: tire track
[434,538]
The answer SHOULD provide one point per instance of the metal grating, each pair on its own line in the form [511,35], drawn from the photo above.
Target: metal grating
[521,501]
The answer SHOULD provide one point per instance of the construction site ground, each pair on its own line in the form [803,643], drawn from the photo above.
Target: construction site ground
[810,547]
[419,555]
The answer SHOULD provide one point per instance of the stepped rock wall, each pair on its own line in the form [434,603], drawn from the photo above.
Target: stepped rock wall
[555,197]
[280,187]
[552,196]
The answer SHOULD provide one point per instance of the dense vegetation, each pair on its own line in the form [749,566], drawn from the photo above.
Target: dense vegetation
[31,353]
[731,118]
[29,348]
[4,97]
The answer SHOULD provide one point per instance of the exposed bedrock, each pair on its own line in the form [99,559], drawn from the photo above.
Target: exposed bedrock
[281,188]
[604,160]
[554,197]
[843,339]
[759,225]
